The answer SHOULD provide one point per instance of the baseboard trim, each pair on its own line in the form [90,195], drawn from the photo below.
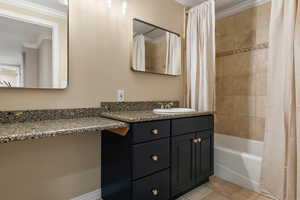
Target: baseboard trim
[94,195]
[233,177]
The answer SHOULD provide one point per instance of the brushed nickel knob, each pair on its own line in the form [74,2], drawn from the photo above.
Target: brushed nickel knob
[155,192]
[155,158]
[155,132]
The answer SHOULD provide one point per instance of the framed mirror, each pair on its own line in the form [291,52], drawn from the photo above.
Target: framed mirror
[155,50]
[34,44]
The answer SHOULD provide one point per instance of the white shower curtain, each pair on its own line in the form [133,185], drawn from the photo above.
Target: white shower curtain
[281,161]
[201,57]
[138,54]
[173,58]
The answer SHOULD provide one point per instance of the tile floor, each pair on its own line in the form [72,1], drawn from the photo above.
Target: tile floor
[218,189]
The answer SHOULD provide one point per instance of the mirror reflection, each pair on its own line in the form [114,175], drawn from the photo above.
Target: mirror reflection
[34,44]
[155,50]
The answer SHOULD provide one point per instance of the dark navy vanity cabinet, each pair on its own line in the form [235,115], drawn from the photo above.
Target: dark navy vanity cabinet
[157,160]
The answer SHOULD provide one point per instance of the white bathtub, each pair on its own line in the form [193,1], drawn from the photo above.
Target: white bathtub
[238,160]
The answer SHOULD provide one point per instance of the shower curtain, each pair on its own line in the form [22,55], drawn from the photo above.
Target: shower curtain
[281,163]
[201,57]
[138,54]
[173,58]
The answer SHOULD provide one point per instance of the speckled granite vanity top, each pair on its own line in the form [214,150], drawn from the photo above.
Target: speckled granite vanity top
[142,116]
[48,128]
[37,124]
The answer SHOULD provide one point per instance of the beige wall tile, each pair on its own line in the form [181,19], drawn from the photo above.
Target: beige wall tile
[259,60]
[244,39]
[259,132]
[227,84]
[224,105]
[244,106]
[243,85]
[223,124]
[244,126]
[261,84]
[219,66]
[229,65]
[224,26]
[246,20]
[264,16]
[298,86]
[242,79]
[224,43]
[243,63]
[260,106]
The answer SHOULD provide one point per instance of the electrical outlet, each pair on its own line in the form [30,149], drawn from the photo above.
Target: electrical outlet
[121,95]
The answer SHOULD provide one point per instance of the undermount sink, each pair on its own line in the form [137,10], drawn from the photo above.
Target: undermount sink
[173,110]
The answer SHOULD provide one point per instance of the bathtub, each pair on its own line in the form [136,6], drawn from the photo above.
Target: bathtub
[238,160]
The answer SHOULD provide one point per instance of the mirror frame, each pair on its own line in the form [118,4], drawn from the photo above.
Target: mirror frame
[131,49]
[68,61]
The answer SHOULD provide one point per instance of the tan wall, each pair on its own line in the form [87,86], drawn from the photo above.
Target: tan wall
[64,167]
[242,77]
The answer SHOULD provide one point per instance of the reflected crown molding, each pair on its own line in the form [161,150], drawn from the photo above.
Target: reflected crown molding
[37,44]
[36,8]
[244,5]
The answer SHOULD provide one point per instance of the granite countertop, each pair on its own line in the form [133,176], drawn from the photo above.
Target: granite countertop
[41,129]
[143,116]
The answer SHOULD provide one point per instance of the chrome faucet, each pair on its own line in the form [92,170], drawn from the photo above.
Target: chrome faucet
[169,105]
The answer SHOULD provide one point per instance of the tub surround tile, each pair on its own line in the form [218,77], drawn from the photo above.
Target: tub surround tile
[142,116]
[50,114]
[241,84]
[50,128]
[135,105]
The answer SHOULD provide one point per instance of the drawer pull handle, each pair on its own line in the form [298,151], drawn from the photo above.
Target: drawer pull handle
[155,132]
[199,140]
[155,192]
[195,141]
[155,158]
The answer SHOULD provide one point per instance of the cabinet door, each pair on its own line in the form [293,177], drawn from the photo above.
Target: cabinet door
[204,156]
[182,163]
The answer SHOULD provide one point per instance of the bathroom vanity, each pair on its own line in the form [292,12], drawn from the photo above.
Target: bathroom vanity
[160,158]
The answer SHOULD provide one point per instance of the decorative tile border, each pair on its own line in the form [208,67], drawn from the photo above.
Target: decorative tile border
[243,50]
[135,106]
[53,114]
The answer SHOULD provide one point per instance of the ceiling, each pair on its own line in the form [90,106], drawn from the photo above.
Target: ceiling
[220,4]
[16,34]
[151,31]
[54,4]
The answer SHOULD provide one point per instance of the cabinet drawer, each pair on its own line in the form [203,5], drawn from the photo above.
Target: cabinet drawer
[150,157]
[155,187]
[142,132]
[190,125]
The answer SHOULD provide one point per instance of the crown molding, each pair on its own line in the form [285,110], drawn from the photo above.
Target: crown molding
[244,5]
[36,8]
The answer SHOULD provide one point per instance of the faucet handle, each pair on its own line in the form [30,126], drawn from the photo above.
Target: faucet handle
[169,105]
[161,105]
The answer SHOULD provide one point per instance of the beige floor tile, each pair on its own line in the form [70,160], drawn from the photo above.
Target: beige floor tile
[223,187]
[261,197]
[215,196]
[199,193]
[244,194]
